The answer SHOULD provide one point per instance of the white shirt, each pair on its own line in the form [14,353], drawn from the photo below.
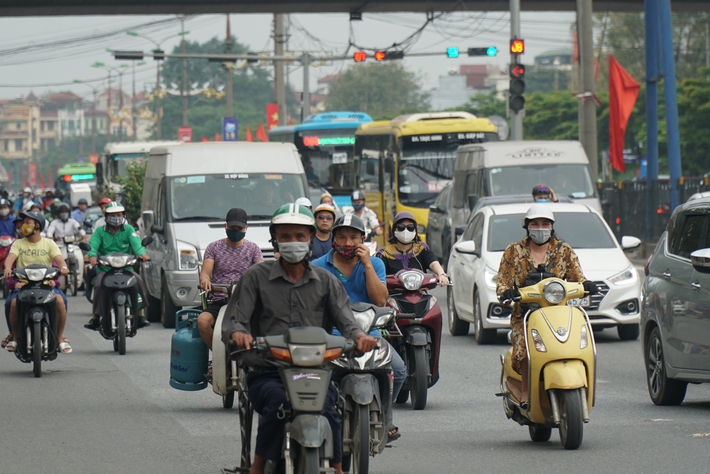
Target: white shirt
[58,228]
[369,218]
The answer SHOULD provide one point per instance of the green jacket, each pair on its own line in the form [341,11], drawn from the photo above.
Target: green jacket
[125,240]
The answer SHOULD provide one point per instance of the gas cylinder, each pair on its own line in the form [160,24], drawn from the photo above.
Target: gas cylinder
[188,353]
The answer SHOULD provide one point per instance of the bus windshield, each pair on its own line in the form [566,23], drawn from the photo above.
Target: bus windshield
[118,162]
[327,157]
[572,180]
[210,197]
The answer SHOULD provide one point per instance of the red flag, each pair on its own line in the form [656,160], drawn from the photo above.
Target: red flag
[217,137]
[41,181]
[290,120]
[249,138]
[261,134]
[205,139]
[272,115]
[623,91]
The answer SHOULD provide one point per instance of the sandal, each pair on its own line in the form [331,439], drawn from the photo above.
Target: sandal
[393,434]
[64,347]
[5,341]
[11,346]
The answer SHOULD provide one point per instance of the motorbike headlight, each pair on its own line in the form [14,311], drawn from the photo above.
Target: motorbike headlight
[490,276]
[5,241]
[411,280]
[384,320]
[554,292]
[364,319]
[307,355]
[188,256]
[627,277]
[584,340]
[35,274]
[119,261]
[69,239]
[537,340]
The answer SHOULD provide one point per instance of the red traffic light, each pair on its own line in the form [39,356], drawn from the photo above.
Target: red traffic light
[359,56]
[517,70]
[380,55]
[517,46]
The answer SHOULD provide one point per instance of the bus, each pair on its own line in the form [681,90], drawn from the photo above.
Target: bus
[404,163]
[117,156]
[325,142]
[75,173]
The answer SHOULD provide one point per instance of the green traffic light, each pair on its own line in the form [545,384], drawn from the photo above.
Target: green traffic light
[452,52]
[492,51]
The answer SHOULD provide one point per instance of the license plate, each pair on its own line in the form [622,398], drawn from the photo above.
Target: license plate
[583,302]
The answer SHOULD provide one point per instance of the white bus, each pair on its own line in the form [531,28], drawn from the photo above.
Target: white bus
[117,156]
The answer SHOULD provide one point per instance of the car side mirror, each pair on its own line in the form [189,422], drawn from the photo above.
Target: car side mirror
[467,246]
[629,243]
[701,260]
[472,200]
[147,241]
[435,208]
[459,230]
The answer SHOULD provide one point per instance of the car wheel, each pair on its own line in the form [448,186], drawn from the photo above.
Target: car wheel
[628,332]
[483,336]
[456,326]
[663,391]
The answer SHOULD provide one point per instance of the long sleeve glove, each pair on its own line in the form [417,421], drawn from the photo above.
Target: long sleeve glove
[590,287]
[510,295]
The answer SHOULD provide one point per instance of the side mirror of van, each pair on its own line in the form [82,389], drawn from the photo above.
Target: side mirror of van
[156,229]
[472,200]
[147,241]
[370,168]
[701,260]
[389,164]
[99,173]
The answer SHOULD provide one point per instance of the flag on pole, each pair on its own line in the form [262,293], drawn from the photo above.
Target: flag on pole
[261,134]
[41,180]
[623,91]
[249,137]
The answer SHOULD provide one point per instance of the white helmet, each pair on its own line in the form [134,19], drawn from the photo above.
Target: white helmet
[539,211]
[303,201]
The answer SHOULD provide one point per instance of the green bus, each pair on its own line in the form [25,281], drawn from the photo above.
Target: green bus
[84,173]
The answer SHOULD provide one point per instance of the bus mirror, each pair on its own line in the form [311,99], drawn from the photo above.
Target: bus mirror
[472,200]
[99,173]
[389,164]
[148,220]
[370,168]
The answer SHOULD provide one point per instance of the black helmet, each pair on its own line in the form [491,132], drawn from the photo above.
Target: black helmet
[39,218]
[63,207]
[349,220]
[357,196]
[83,201]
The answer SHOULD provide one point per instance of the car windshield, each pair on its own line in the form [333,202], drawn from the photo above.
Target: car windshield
[209,197]
[581,230]
[566,180]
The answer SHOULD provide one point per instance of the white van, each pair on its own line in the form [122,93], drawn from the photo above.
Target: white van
[187,192]
[515,167]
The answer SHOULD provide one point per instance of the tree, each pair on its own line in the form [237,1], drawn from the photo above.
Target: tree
[133,189]
[379,89]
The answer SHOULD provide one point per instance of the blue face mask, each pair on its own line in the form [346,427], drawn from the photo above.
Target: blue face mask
[235,235]
[542,200]
[357,207]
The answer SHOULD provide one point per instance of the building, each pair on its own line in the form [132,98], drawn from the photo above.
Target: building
[458,87]
[19,128]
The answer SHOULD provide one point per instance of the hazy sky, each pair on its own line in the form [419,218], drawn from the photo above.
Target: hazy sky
[35,52]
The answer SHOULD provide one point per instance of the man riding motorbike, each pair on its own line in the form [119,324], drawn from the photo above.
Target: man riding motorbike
[280,294]
[64,226]
[368,216]
[115,236]
[541,253]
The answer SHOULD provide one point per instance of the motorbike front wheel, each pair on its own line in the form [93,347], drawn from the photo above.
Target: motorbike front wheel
[419,375]
[120,336]
[309,462]
[540,433]
[571,423]
[360,451]
[37,349]
[73,287]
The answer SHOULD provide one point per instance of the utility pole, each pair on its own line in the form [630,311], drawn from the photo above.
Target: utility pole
[120,107]
[183,89]
[587,106]
[653,29]
[228,68]
[306,107]
[279,79]
[93,125]
[516,117]
[134,118]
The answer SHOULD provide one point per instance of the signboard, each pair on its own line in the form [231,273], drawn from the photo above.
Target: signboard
[272,115]
[93,158]
[442,141]
[33,175]
[185,134]
[230,129]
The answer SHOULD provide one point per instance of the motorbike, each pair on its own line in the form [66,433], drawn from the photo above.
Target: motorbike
[417,335]
[5,244]
[74,257]
[365,388]
[308,440]
[36,316]
[561,367]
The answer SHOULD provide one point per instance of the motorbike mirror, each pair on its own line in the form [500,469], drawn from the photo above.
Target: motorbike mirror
[84,246]
[147,241]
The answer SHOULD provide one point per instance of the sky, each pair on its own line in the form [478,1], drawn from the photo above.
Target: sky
[49,53]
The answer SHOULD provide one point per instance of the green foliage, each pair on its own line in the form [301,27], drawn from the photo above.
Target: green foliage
[551,116]
[379,89]
[485,105]
[538,79]
[133,189]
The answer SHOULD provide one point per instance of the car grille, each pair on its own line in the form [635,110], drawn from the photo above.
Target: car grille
[596,300]
[419,308]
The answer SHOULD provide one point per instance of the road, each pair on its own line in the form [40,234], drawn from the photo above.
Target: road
[96,411]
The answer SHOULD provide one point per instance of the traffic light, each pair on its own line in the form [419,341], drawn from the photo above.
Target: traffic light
[516,101]
[487,51]
[452,52]
[517,46]
[359,56]
[388,55]
[158,55]
[380,55]
[254,60]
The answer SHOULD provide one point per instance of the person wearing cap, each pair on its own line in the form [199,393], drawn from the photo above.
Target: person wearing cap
[7,227]
[367,215]
[279,294]
[323,242]
[101,221]
[24,200]
[542,193]
[79,213]
[327,198]
[406,250]
[115,236]
[303,201]
[225,261]
[35,249]
[540,247]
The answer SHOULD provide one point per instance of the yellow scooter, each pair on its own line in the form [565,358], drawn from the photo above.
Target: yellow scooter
[561,364]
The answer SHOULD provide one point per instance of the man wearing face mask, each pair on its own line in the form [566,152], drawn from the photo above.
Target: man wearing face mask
[279,294]
[225,261]
[542,194]
[367,215]
[115,236]
[24,200]
[525,258]
[65,225]
[7,227]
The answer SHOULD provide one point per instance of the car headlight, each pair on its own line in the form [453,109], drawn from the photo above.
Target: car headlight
[627,277]
[364,319]
[188,256]
[554,292]
[490,276]
[35,274]
[412,280]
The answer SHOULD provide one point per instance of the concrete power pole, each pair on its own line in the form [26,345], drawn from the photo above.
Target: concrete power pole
[183,89]
[279,76]
[134,114]
[306,107]
[587,106]
[230,91]
[516,118]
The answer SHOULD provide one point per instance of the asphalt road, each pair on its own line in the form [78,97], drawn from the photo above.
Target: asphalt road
[95,411]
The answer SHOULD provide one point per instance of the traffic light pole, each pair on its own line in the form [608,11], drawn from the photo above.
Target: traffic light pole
[516,118]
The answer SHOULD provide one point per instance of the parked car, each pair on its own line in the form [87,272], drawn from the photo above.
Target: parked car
[475,259]
[675,316]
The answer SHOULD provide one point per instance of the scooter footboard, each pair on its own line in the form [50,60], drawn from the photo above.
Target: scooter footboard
[313,431]
[565,374]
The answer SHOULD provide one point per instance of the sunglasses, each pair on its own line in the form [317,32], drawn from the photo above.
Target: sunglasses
[324,217]
[409,227]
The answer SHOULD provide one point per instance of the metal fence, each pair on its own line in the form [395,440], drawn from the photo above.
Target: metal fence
[625,205]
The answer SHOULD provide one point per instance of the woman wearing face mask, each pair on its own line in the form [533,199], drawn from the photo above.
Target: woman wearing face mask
[406,250]
[523,259]
[6,220]
[225,261]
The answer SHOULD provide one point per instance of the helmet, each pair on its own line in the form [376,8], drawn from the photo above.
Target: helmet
[304,202]
[349,220]
[4,202]
[357,196]
[63,207]
[291,214]
[322,207]
[539,211]
[39,218]
[114,207]
[104,201]
[27,190]
[83,201]
[324,195]
[401,216]
[540,189]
